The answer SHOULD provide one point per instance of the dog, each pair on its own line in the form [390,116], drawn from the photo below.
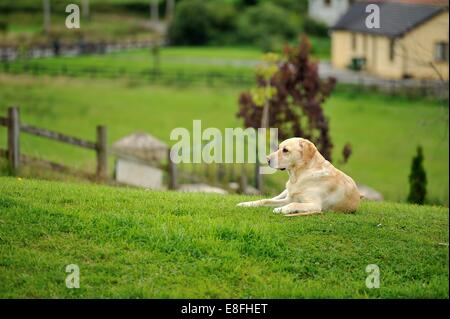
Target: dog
[314,184]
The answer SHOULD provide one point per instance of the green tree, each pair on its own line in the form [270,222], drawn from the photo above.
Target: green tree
[267,25]
[417,179]
[191,24]
[198,22]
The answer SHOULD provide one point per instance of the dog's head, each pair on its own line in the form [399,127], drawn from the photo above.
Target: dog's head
[293,152]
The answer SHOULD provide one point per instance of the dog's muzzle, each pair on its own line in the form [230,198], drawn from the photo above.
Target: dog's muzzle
[269,161]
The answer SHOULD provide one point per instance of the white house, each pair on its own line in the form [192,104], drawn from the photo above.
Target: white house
[328,11]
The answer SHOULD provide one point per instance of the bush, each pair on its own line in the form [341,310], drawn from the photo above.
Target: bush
[191,24]
[3,26]
[295,104]
[296,5]
[314,27]
[223,28]
[266,25]
[198,22]
[417,180]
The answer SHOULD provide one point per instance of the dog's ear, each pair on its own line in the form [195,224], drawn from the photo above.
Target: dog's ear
[308,150]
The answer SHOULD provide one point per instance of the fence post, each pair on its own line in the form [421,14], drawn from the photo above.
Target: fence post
[102,156]
[13,139]
[172,171]
[258,176]
[243,180]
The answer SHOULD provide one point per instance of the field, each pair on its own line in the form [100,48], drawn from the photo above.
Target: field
[232,61]
[384,130]
[143,244]
[237,61]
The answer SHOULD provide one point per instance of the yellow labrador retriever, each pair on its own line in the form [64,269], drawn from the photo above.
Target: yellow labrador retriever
[314,185]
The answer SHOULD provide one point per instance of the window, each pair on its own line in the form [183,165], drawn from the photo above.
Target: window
[441,51]
[392,50]
[327,3]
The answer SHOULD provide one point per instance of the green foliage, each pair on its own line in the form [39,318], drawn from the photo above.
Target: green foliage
[267,25]
[265,70]
[314,28]
[3,26]
[191,23]
[295,107]
[417,179]
[223,22]
[198,22]
[299,6]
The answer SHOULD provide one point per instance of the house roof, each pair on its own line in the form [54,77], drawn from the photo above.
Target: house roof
[429,2]
[396,19]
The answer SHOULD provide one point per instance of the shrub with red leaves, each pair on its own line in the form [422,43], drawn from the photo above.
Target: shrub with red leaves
[296,107]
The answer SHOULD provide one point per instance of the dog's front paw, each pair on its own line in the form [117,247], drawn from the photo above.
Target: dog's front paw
[245,204]
[278,210]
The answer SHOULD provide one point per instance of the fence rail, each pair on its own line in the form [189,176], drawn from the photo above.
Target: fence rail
[218,176]
[33,130]
[16,159]
[57,48]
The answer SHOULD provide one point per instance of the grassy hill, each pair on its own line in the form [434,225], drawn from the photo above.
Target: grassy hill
[136,243]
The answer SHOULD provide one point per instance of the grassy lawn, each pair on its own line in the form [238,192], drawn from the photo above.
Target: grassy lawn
[384,131]
[224,60]
[232,60]
[143,244]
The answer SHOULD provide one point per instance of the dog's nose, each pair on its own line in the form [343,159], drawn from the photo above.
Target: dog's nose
[268,159]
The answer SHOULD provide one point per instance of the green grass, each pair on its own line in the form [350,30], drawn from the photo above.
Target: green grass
[143,244]
[384,131]
[224,60]
[232,60]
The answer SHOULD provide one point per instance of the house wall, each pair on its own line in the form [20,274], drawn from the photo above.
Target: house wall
[329,15]
[413,53]
[419,47]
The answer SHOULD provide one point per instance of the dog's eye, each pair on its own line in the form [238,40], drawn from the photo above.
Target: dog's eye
[285,150]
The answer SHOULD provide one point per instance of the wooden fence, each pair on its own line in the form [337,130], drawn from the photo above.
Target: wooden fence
[16,159]
[56,48]
[219,176]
